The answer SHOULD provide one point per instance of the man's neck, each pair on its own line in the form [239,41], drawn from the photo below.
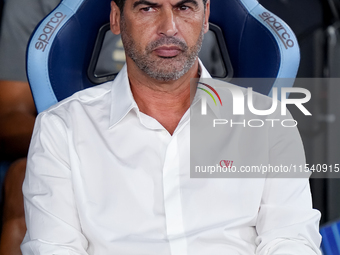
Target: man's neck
[164,101]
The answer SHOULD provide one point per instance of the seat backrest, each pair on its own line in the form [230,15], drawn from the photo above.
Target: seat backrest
[330,238]
[254,43]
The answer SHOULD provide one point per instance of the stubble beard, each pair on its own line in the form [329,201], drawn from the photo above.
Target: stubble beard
[159,68]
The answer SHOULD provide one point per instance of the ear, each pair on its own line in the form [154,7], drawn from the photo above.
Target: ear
[206,18]
[115,18]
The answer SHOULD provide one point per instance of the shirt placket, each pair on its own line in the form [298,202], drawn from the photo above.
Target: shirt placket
[172,200]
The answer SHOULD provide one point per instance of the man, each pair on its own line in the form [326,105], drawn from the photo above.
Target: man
[108,169]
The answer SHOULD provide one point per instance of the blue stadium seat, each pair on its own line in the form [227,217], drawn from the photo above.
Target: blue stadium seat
[330,238]
[254,43]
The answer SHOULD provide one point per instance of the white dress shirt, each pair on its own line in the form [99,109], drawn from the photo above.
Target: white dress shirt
[104,178]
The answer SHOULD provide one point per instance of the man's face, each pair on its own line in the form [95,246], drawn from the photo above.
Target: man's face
[163,37]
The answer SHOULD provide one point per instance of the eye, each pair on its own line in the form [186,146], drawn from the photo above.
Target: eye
[183,8]
[147,9]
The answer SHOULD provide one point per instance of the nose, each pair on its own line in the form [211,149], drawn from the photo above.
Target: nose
[168,25]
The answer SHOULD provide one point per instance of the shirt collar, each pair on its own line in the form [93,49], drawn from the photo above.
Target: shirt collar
[122,101]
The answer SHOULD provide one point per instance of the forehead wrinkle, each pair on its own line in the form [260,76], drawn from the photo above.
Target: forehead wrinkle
[149,3]
[145,2]
[186,1]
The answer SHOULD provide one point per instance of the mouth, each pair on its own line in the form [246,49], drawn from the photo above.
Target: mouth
[167,51]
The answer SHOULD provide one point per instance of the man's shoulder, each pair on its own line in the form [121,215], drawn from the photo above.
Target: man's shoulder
[97,95]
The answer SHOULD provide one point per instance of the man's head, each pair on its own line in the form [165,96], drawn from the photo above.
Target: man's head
[161,37]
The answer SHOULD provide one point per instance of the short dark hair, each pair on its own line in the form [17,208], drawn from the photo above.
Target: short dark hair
[120,4]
